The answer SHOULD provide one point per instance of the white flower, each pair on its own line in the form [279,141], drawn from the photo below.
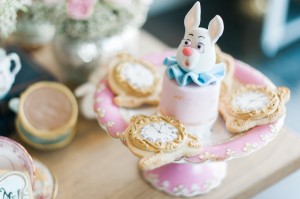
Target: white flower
[120,3]
[8,14]
[109,17]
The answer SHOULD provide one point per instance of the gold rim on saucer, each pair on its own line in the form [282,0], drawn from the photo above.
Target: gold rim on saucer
[46,170]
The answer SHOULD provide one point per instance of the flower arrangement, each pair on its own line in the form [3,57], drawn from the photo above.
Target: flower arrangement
[41,11]
[36,27]
[93,19]
[8,14]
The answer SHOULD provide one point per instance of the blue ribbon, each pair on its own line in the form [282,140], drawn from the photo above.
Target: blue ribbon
[184,78]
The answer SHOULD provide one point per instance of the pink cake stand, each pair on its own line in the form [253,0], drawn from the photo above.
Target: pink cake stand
[184,177]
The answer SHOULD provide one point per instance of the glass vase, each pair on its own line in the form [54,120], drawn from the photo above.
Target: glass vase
[80,57]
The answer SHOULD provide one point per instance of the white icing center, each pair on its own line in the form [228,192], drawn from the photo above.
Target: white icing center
[138,75]
[249,101]
[159,132]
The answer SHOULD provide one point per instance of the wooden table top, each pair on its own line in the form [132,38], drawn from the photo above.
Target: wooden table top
[94,165]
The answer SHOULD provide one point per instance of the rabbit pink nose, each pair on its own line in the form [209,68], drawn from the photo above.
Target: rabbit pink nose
[187,51]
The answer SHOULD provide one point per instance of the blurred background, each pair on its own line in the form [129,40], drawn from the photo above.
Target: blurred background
[252,35]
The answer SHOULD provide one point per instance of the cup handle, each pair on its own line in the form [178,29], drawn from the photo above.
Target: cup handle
[14,104]
[15,58]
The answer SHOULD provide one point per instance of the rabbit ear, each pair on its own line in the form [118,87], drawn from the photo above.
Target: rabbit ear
[192,18]
[215,28]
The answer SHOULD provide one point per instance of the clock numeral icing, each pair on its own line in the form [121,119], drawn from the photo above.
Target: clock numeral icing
[159,132]
[149,139]
[251,101]
[138,75]
[159,140]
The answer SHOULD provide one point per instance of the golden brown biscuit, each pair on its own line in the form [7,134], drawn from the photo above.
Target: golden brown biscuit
[134,81]
[247,106]
[159,140]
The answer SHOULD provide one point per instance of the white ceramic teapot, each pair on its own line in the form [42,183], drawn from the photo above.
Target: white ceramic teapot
[10,66]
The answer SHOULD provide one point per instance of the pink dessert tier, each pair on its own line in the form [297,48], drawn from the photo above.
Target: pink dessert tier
[191,104]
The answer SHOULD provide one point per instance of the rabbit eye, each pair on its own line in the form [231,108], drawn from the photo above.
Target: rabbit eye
[200,47]
[187,42]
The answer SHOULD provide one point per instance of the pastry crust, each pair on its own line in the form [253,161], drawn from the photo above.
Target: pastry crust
[156,154]
[128,93]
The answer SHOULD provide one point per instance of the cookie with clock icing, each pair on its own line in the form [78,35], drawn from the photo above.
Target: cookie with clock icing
[159,140]
[134,81]
[227,82]
[251,105]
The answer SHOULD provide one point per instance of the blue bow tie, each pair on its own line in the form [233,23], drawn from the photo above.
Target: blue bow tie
[184,78]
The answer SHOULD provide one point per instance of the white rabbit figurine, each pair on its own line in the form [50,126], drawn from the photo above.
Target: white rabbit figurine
[196,53]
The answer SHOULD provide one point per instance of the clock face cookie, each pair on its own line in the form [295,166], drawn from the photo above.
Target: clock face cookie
[157,134]
[134,81]
[252,102]
[251,105]
[159,140]
[137,77]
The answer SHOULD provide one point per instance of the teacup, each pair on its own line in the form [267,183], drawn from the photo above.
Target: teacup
[47,115]
[10,66]
[14,157]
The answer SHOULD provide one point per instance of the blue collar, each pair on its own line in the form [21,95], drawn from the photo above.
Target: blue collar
[184,78]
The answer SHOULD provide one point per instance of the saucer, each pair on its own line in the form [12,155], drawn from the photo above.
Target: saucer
[45,184]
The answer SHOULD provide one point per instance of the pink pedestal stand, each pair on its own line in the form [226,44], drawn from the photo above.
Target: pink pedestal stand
[187,179]
[204,172]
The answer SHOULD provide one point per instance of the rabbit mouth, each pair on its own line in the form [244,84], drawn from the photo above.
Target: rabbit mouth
[187,64]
